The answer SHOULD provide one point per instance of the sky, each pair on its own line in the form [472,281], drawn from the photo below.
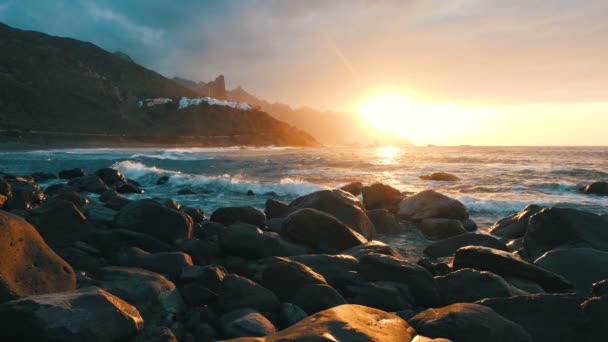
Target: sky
[508,72]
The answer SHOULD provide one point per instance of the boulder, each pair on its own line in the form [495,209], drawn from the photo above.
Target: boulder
[378,267]
[113,200]
[320,231]
[439,228]
[595,311]
[60,222]
[382,295]
[554,227]
[381,196]
[72,173]
[346,322]
[89,183]
[43,176]
[199,285]
[150,217]
[596,188]
[468,322]
[516,225]
[185,191]
[342,205]
[248,241]
[384,221]
[372,247]
[547,317]
[441,177]
[449,246]
[99,216]
[600,288]
[285,278]
[166,263]
[245,323]
[431,204]
[156,298]
[73,196]
[313,298]
[162,180]
[112,178]
[567,262]
[506,264]
[336,269]
[197,214]
[467,286]
[354,188]
[28,266]
[230,215]
[89,314]
[238,292]
[5,188]
[112,241]
[129,188]
[290,314]
[24,194]
[275,208]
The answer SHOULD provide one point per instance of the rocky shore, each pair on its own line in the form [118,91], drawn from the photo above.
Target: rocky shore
[81,262]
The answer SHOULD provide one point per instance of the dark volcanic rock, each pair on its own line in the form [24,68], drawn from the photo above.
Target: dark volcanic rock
[431,204]
[596,188]
[581,266]
[468,322]
[28,266]
[384,221]
[89,183]
[197,214]
[72,173]
[113,200]
[73,196]
[313,298]
[112,178]
[449,246]
[342,205]
[162,180]
[230,215]
[285,278]
[440,176]
[275,208]
[25,195]
[354,188]
[468,286]
[336,269]
[555,227]
[60,223]
[320,231]
[547,317]
[372,247]
[595,311]
[248,241]
[381,196]
[185,192]
[168,263]
[516,225]
[199,285]
[439,229]
[506,264]
[90,314]
[383,295]
[245,323]
[150,217]
[129,188]
[238,292]
[43,176]
[600,288]
[111,241]
[378,267]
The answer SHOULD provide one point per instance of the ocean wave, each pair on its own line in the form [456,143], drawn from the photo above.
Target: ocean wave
[482,206]
[217,184]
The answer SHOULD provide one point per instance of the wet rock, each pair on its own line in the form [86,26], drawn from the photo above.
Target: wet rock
[248,241]
[378,267]
[439,229]
[317,297]
[354,188]
[162,180]
[342,205]
[82,258]
[250,193]
[516,225]
[60,223]
[111,241]
[547,317]
[200,285]
[6,191]
[382,295]
[469,225]
[113,200]
[381,196]
[568,262]
[431,204]
[171,204]
[28,266]
[372,247]
[468,322]
[186,192]
[24,194]
[384,221]
[554,227]
[112,178]
[90,183]
[346,323]
[596,188]
[90,314]
[336,269]
[43,176]
[441,177]
[230,215]
[320,231]
[525,285]
[150,217]
[290,314]
[197,214]
[166,263]
[595,311]
[468,286]
[72,173]
[245,323]
[507,265]
[600,288]
[285,278]
[238,292]
[73,196]
[129,188]
[275,208]
[449,246]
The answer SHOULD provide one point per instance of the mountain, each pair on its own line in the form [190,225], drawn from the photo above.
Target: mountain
[331,128]
[61,89]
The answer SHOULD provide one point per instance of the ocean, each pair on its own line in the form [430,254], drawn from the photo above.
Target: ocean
[496,181]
